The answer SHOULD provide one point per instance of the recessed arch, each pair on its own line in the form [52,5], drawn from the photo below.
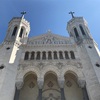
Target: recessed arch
[30,73]
[51,87]
[74,70]
[29,89]
[50,72]
[71,86]
[50,68]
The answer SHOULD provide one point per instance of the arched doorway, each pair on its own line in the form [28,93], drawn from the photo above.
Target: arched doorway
[51,90]
[29,90]
[71,88]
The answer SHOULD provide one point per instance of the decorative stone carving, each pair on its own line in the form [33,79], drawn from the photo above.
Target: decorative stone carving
[50,84]
[68,83]
[31,85]
[19,85]
[81,83]
[40,65]
[59,65]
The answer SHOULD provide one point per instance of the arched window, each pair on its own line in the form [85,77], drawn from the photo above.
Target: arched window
[43,55]
[38,56]
[76,32]
[26,56]
[82,30]
[60,55]
[66,55]
[21,32]
[32,55]
[49,55]
[72,54]
[55,55]
[14,31]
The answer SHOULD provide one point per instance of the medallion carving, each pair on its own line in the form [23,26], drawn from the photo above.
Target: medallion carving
[50,84]
[31,85]
[68,83]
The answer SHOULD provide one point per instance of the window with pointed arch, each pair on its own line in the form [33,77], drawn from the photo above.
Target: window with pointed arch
[32,55]
[82,30]
[21,33]
[26,55]
[44,55]
[14,31]
[55,55]
[49,55]
[61,55]
[72,55]
[38,55]
[76,32]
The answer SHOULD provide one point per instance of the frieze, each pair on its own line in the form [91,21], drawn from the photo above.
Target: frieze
[41,64]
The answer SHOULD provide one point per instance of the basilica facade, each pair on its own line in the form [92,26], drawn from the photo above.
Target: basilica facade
[49,66]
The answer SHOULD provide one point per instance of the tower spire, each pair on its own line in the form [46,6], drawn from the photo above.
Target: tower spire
[72,14]
[23,13]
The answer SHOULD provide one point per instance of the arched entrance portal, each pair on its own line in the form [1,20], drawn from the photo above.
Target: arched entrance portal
[71,88]
[51,90]
[29,90]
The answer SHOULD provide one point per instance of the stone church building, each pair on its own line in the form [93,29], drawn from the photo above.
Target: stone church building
[49,66]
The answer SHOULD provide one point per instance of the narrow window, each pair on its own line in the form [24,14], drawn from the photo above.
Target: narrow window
[26,56]
[55,55]
[14,31]
[82,30]
[66,55]
[38,56]
[21,32]
[49,55]
[43,55]
[76,32]
[72,54]
[60,55]
[32,55]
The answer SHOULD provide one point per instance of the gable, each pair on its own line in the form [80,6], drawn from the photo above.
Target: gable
[49,38]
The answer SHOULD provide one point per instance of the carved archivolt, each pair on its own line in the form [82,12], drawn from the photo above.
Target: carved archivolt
[59,68]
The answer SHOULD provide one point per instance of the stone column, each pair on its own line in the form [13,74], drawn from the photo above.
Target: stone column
[40,85]
[82,84]
[61,82]
[17,91]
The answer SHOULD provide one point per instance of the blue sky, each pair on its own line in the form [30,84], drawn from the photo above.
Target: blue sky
[50,14]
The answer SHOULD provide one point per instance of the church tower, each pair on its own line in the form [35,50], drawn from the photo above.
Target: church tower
[10,51]
[18,30]
[88,53]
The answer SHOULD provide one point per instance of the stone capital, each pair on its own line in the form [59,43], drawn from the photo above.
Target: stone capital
[19,84]
[40,82]
[61,82]
[82,83]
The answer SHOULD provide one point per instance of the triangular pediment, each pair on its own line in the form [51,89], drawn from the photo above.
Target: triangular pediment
[49,38]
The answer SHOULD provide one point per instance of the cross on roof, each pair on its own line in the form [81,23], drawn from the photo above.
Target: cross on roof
[72,14]
[23,13]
